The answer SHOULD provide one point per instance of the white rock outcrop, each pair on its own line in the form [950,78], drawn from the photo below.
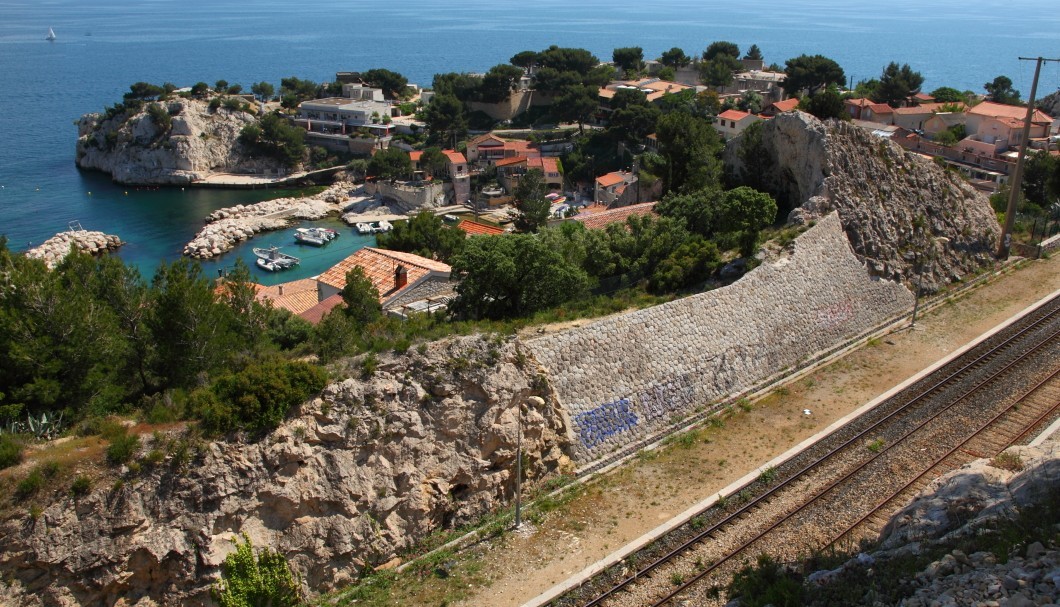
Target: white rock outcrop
[56,248]
[371,467]
[902,213]
[134,149]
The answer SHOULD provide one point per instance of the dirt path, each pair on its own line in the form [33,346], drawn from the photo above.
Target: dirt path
[630,501]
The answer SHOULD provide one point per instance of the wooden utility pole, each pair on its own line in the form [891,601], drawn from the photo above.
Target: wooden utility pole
[1016,182]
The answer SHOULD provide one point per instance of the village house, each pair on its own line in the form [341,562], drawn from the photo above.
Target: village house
[915,117]
[598,216]
[488,148]
[511,170]
[767,84]
[779,107]
[731,123]
[343,124]
[456,167]
[406,282]
[615,189]
[995,128]
[653,88]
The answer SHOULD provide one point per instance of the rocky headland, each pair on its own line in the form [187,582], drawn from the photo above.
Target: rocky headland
[134,148]
[56,248]
[353,477]
[903,214]
[229,226]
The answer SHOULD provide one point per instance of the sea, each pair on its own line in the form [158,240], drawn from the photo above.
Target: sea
[104,46]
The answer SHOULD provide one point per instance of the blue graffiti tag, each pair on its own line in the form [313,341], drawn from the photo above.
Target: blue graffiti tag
[609,418]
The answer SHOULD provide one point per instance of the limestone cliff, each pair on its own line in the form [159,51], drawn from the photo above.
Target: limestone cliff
[370,467]
[135,149]
[894,205]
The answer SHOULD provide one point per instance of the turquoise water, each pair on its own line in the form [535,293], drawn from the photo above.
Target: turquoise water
[314,260]
[47,86]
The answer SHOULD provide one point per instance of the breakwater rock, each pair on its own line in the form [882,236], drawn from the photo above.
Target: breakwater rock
[226,227]
[368,468]
[180,142]
[56,248]
[903,214]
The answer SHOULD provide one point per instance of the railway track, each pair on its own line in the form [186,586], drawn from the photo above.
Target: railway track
[844,487]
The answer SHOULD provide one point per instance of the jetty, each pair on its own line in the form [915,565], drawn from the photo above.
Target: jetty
[56,248]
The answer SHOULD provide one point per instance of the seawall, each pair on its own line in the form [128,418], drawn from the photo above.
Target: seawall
[624,378]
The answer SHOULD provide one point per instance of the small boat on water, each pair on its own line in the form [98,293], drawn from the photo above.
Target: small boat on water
[51,35]
[272,260]
[384,226]
[365,228]
[317,237]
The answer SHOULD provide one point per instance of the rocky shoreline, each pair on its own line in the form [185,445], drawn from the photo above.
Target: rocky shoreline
[229,226]
[56,248]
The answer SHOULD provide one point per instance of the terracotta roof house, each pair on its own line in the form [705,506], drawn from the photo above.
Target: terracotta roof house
[731,123]
[855,107]
[611,189]
[296,296]
[474,228]
[653,88]
[1011,116]
[779,107]
[510,170]
[401,278]
[600,218]
[489,148]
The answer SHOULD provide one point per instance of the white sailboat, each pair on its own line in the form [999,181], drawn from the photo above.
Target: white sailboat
[51,35]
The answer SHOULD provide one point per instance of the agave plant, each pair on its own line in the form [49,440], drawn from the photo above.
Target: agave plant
[45,428]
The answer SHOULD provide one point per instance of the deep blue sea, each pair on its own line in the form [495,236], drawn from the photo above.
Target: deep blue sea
[104,46]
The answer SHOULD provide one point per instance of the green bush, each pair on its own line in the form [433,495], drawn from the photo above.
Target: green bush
[767,583]
[249,579]
[122,448]
[10,451]
[29,485]
[258,398]
[81,486]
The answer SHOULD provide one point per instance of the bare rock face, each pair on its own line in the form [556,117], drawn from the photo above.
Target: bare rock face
[370,467]
[897,209]
[1050,104]
[135,149]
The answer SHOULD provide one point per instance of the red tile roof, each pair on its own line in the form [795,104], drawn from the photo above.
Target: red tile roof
[787,105]
[546,164]
[486,138]
[881,108]
[296,296]
[602,219]
[610,179]
[379,265]
[476,228]
[415,155]
[317,312]
[859,102]
[733,115]
[509,161]
[455,157]
[1000,110]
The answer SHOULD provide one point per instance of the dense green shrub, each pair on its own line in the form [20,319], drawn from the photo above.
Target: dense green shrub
[10,451]
[257,398]
[253,580]
[29,485]
[81,486]
[122,448]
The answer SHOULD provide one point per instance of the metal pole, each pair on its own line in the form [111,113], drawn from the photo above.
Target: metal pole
[519,467]
[1017,174]
[919,281]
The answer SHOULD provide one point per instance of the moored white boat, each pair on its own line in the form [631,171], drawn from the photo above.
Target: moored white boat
[272,260]
[365,228]
[317,237]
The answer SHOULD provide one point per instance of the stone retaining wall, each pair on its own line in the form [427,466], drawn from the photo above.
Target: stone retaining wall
[624,378]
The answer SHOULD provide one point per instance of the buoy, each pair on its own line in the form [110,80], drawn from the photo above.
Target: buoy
[90,193]
[126,193]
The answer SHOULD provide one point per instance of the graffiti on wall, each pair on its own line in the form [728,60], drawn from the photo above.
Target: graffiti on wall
[595,425]
[665,398]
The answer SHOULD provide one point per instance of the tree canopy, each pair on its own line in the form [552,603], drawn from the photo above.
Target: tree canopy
[754,53]
[445,118]
[426,235]
[721,47]
[525,59]
[690,146]
[675,57]
[394,85]
[1000,91]
[629,59]
[897,84]
[811,72]
[273,136]
[530,201]
[391,163]
[263,90]
[946,94]
[513,275]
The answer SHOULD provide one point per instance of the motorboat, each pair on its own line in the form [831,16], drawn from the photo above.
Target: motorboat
[272,260]
[317,237]
[384,226]
[365,228]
